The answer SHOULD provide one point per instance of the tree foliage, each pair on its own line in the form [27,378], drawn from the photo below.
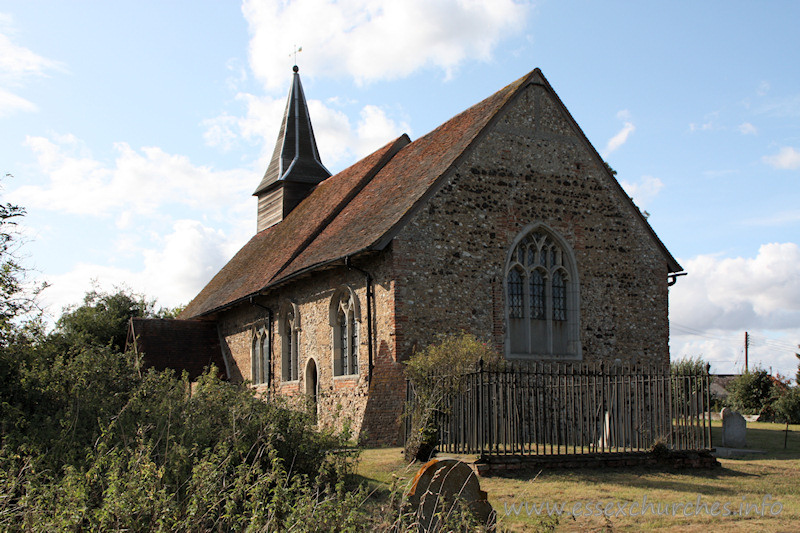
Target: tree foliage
[797,374]
[16,301]
[689,366]
[102,319]
[787,406]
[753,392]
[87,442]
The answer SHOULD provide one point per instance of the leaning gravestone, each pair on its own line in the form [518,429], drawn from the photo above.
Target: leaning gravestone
[436,488]
[734,428]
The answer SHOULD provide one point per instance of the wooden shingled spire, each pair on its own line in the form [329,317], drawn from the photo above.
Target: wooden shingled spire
[295,168]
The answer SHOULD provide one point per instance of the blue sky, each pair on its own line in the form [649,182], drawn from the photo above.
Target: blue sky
[136,131]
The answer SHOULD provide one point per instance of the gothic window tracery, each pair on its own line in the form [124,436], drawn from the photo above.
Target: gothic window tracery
[260,357]
[345,321]
[542,297]
[290,346]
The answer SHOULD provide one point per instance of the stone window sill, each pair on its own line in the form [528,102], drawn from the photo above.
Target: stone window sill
[347,377]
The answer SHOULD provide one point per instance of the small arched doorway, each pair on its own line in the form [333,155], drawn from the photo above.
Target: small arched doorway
[312,386]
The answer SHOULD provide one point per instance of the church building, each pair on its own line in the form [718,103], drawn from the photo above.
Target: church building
[503,222]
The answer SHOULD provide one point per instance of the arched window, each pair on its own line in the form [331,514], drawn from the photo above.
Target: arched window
[260,357]
[289,331]
[542,297]
[344,319]
[255,359]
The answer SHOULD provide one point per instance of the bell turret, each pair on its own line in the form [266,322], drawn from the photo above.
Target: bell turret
[295,168]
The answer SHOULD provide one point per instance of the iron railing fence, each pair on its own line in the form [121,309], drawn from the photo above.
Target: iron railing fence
[544,408]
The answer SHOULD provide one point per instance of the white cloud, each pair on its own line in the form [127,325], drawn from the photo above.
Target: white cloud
[18,63]
[746,128]
[787,106]
[375,129]
[724,352]
[706,126]
[740,293]
[786,159]
[174,271]
[721,298]
[263,118]
[725,349]
[709,123]
[144,191]
[644,191]
[259,126]
[339,141]
[622,136]
[371,40]
[137,183]
[220,131]
[10,102]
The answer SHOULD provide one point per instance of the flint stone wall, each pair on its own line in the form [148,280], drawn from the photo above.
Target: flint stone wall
[443,272]
[532,167]
[344,402]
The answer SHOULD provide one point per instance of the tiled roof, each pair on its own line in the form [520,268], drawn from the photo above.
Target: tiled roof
[266,255]
[191,345]
[383,205]
[359,209]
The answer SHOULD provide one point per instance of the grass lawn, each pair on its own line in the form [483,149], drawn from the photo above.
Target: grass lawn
[745,481]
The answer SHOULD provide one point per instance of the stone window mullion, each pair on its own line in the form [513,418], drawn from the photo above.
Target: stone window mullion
[265,356]
[344,355]
[343,321]
[542,296]
[526,313]
[353,341]
[289,329]
[254,373]
[548,310]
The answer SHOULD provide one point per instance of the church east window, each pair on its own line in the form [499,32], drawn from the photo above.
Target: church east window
[542,297]
[344,319]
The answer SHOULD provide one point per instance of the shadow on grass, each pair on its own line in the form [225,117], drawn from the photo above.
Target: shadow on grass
[709,482]
[768,437]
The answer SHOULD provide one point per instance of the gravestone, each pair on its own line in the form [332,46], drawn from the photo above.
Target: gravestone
[734,428]
[438,485]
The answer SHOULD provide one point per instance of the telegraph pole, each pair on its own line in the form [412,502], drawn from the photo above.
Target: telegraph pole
[746,346]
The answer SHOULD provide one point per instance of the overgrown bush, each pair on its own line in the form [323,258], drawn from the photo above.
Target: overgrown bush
[218,458]
[434,373]
[90,443]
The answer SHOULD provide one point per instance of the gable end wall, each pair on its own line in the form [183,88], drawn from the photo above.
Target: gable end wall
[532,166]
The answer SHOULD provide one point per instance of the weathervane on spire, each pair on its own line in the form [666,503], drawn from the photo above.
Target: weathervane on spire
[296,49]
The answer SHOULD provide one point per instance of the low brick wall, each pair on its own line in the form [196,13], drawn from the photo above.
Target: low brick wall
[499,465]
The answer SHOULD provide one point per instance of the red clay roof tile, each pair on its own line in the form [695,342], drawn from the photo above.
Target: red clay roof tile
[270,250]
[360,208]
